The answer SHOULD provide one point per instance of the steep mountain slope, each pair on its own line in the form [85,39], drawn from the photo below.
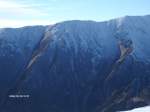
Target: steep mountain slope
[76,66]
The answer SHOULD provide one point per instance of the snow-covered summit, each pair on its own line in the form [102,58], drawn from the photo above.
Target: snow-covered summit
[133,28]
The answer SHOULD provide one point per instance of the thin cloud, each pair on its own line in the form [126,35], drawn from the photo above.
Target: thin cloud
[9,7]
[17,14]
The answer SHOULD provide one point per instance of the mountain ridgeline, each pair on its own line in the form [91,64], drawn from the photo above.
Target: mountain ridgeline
[76,66]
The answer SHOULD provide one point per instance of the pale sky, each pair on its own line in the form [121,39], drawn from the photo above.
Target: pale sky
[17,13]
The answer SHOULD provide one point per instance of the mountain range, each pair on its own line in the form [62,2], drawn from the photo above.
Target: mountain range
[76,66]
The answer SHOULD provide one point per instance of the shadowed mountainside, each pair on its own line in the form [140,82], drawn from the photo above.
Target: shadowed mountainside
[76,66]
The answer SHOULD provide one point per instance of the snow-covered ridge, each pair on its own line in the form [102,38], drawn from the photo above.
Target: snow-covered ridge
[135,29]
[142,109]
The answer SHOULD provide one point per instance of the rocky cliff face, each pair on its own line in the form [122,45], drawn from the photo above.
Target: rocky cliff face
[76,66]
